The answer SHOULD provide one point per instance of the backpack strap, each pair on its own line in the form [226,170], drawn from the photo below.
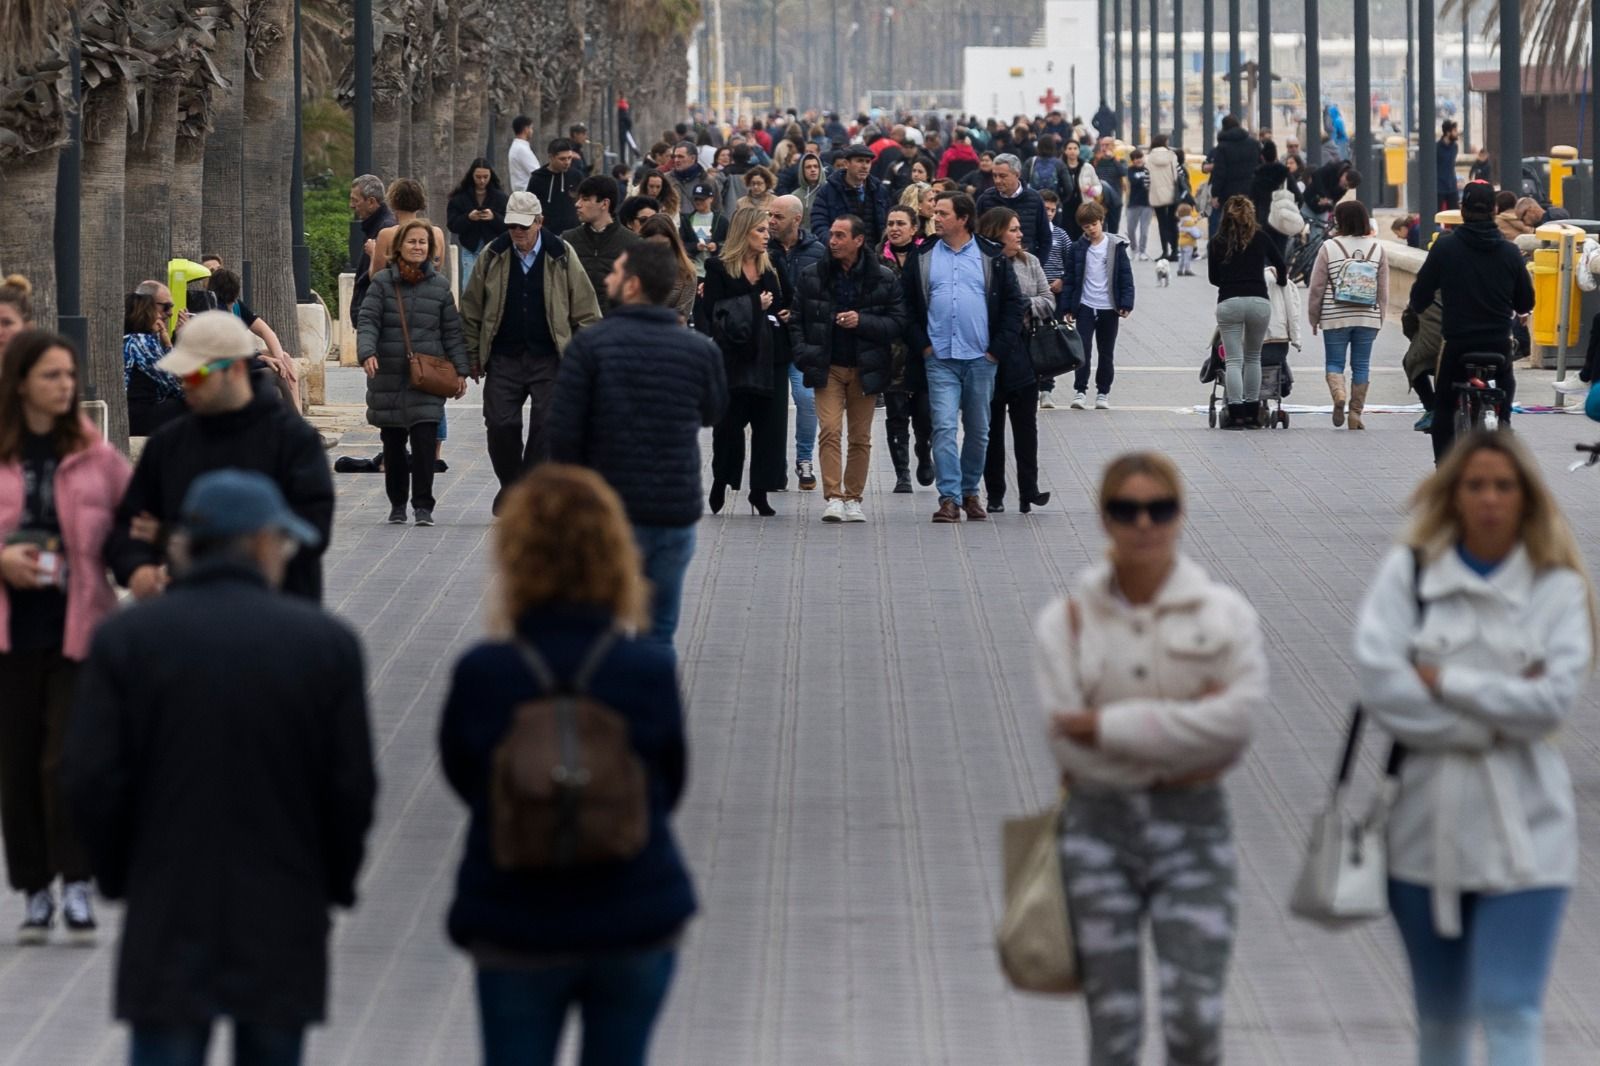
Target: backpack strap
[539,666]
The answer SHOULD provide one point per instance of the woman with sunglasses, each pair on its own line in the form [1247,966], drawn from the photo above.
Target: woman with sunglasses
[1150,672]
[60,484]
[409,308]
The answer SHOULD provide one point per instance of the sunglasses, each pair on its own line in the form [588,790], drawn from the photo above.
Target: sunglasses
[165,307]
[1126,512]
[194,380]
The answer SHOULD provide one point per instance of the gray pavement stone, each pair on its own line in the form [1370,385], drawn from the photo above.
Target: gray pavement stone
[862,716]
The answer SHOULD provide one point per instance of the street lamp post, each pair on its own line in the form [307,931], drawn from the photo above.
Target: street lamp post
[1133,72]
[1155,70]
[1177,73]
[70,319]
[1264,65]
[1235,76]
[363,111]
[1116,40]
[1511,94]
[1208,73]
[1427,158]
[1313,142]
[300,252]
[1361,141]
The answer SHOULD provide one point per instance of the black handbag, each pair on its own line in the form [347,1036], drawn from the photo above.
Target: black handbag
[1054,349]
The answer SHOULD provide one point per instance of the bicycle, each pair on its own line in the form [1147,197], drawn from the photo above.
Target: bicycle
[1591,450]
[1480,402]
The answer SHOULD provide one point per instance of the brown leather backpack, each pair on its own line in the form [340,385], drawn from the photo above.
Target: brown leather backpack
[567,788]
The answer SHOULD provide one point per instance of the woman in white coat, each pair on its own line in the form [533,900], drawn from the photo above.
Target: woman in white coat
[1473,647]
[1150,673]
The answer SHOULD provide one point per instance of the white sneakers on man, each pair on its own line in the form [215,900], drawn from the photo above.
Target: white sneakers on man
[1102,402]
[1080,400]
[834,512]
[852,511]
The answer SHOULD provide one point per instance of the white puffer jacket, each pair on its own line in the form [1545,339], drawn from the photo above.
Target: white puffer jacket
[1485,802]
[1284,325]
[1147,669]
[1283,214]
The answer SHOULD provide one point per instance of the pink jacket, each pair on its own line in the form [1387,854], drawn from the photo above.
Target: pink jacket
[89,486]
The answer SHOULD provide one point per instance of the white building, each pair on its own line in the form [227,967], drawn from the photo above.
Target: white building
[1063,73]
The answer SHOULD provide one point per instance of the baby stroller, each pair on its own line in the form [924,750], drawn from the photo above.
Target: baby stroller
[1277,381]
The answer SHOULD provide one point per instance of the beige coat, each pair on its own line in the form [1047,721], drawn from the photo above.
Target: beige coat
[1147,670]
[1163,164]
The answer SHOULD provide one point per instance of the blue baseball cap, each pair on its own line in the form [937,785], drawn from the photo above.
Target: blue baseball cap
[236,503]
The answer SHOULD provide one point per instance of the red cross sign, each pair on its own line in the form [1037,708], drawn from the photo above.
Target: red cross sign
[1049,100]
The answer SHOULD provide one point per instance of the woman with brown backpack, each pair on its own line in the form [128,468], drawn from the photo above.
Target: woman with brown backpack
[566,742]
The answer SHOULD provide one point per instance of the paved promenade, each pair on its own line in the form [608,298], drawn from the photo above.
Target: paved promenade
[862,715]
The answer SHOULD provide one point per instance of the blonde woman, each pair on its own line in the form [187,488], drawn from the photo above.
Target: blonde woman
[1473,646]
[1150,672]
[744,303]
[603,937]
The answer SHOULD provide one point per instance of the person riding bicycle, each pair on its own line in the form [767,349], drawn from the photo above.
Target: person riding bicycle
[1483,283]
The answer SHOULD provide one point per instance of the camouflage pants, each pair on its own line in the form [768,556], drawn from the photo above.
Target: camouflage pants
[1166,856]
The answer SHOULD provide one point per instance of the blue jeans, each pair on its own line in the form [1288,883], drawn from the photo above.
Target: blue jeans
[522,1012]
[1358,340]
[185,1044]
[960,390]
[666,551]
[805,416]
[1494,973]
[468,260]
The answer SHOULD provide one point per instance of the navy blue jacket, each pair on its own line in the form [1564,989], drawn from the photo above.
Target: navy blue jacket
[619,906]
[1072,281]
[836,199]
[630,398]
[1029,206]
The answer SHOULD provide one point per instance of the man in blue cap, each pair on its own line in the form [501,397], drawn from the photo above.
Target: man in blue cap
[223,783]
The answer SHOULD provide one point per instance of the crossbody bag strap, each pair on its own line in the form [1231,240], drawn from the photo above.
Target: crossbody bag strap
[1397,750]
[405,329]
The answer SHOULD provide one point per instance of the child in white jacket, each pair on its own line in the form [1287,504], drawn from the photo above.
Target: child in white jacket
[1473,647]
[1150,673]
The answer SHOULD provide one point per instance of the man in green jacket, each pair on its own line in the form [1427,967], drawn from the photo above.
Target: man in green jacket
[527,296]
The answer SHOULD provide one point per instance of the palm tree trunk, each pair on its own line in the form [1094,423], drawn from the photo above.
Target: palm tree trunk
[269,170]
[471,101]
[442,176]
[188,174]
[147,230]
[222,192]
[420,135]
[25,245]
[105,149]
[386,139]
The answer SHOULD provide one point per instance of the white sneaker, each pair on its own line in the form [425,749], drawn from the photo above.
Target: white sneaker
[38,917]
[852,511]
[1046,403]
[1080,400]
[1102,402]
[834,512]
[78,912]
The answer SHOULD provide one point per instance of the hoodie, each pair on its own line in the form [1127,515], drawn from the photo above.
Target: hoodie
[1482,282]
[1233,163]
[555,192]
[1268,179]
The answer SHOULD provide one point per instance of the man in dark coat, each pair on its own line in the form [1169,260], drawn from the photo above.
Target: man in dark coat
[556,186]
[368,205]
[847,313]
[219,767]
[792,248]
[1233,165]
[852,191]
[1009,191]
[600,238]
[1105,121]
[978,325]
[229,424]
[630,399]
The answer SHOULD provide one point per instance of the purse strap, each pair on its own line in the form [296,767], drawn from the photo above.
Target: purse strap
[1352,740]
[405,329]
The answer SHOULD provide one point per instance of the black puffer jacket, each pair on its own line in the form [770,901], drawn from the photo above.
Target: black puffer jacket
[631,396]
[878,301]
[435,330]
[1233,163]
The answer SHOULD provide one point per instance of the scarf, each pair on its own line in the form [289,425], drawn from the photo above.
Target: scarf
[411,273]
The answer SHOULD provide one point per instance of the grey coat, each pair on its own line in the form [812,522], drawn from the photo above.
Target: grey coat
[435,330]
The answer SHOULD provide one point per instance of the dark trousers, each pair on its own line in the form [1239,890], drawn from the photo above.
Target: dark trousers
[186,1043]
[512,381]
[905,412]
[36,690]
[767,415]
[1023,407]
[1167,227]
[423,438]
[1098,330]
[1444,400]
[1450,201]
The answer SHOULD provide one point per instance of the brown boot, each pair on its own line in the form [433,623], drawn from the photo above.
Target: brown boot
[1336,390]
[974,509]
[1358,403]
[948,512]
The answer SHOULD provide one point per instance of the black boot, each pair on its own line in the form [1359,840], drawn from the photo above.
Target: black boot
[900,452]
[924,462]
[1240,415]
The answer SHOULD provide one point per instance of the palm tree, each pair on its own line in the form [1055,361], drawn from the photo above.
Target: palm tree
[222,166]
[268,164]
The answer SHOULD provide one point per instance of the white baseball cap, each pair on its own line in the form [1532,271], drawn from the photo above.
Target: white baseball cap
[523,209]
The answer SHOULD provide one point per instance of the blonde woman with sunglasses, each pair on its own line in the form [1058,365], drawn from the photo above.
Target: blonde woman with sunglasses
[1150,672]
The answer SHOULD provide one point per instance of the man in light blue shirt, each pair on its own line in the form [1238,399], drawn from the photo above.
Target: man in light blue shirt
[966,315]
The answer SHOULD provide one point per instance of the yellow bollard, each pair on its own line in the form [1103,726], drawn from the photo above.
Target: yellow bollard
[1394,160]
[1561,158]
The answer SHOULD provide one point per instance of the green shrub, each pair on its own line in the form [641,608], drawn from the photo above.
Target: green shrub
[328,236]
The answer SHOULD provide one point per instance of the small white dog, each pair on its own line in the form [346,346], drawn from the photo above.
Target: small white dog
[1163,273]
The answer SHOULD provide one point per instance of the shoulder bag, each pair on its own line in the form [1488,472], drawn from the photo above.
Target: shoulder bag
[432,374]
[1034,940]
[1345,876]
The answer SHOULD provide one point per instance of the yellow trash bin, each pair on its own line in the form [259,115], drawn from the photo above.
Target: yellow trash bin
[1197,177]
[1394,160]
[1561,158]
[1546,271]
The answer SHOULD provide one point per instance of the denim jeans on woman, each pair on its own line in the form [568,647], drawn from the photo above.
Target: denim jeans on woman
[1357,341]
[186,1043]
[619,997]
[1242,322]
[1493,975]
